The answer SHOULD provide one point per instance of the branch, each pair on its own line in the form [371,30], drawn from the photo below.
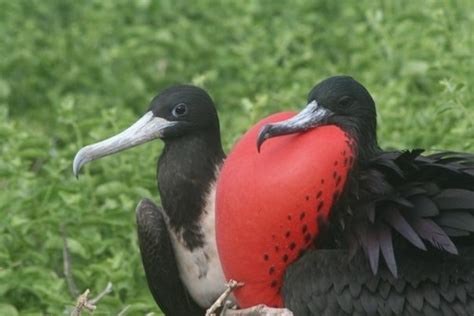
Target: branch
[229,309]
[258,310]
[230,286]
[104,292]
[82,302]
[67,263]
[124,311]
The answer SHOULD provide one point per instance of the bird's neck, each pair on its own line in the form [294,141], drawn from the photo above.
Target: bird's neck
[187,171]
[366,149]
[364,135]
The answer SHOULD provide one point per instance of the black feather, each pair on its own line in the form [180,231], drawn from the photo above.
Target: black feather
[397,200]
[457,219]
[415,189]
[390,166]
[430,231]
[461,293]
[423,206]
[455,199]
[373,248]
[368,303]
[386,246]
[345,301]
[421,197]
[431,188]
[370,209]
[415,298]
[453,232]
[396,302]
[399,223]
[426,285]
[431,295]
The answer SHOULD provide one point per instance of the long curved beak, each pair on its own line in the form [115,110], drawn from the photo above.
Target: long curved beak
[147,128]
[311,116]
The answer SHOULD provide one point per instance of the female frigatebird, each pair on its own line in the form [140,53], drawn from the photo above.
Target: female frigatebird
[305,222]
[177,242]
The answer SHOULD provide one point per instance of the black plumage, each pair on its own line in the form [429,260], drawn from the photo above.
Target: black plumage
[399,239]
[159,262]
[332,282]
[398,194]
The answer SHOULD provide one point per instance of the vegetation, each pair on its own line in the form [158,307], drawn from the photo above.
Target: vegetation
[74,72]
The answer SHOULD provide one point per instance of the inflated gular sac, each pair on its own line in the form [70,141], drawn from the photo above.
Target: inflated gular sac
[270,204]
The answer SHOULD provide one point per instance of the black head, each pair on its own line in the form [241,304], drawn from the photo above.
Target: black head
[351,107]
[189,107]
[180,114]
[338,100]
[349,102]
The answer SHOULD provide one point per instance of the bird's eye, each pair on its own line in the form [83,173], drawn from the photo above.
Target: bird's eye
[179,110]
[345,101]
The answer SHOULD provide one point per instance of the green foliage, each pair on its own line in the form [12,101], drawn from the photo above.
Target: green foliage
[74,72]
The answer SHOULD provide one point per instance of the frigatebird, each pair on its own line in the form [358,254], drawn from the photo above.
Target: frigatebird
[307,222]
[177,241]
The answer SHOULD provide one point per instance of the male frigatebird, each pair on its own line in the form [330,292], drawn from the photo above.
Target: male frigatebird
[306,222]
[177,242]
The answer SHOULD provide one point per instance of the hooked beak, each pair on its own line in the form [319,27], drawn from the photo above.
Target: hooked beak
[311,116]
[147,128]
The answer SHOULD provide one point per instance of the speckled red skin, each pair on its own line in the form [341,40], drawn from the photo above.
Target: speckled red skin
[269,204]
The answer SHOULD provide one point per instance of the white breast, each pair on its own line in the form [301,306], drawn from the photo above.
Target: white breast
[200,269]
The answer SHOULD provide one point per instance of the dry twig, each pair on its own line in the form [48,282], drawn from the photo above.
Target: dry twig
[230,286]
[228,309]
[258,310]
[124,310]
[104,292]
[67,263]
[83,302]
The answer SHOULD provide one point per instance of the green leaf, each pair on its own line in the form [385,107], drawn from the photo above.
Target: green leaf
[7,309]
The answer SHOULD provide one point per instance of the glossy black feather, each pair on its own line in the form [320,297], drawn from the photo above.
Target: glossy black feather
[160,264]
[423,206]
[386,247]
[455,199]
[373,247]
[398,222]
[416,206]
[419,289]
[453,232]
[430,231]
[457,219]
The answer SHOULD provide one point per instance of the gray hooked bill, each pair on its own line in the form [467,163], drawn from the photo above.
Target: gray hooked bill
[311,116]
[147,128]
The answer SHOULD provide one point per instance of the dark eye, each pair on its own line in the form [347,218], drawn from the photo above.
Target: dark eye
[345,101]
[179,110]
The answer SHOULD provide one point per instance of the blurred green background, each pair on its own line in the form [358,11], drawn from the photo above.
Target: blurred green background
[74,72]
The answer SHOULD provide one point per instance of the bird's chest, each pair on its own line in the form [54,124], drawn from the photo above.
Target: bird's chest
[201,272]
[200,267]
[270,205]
